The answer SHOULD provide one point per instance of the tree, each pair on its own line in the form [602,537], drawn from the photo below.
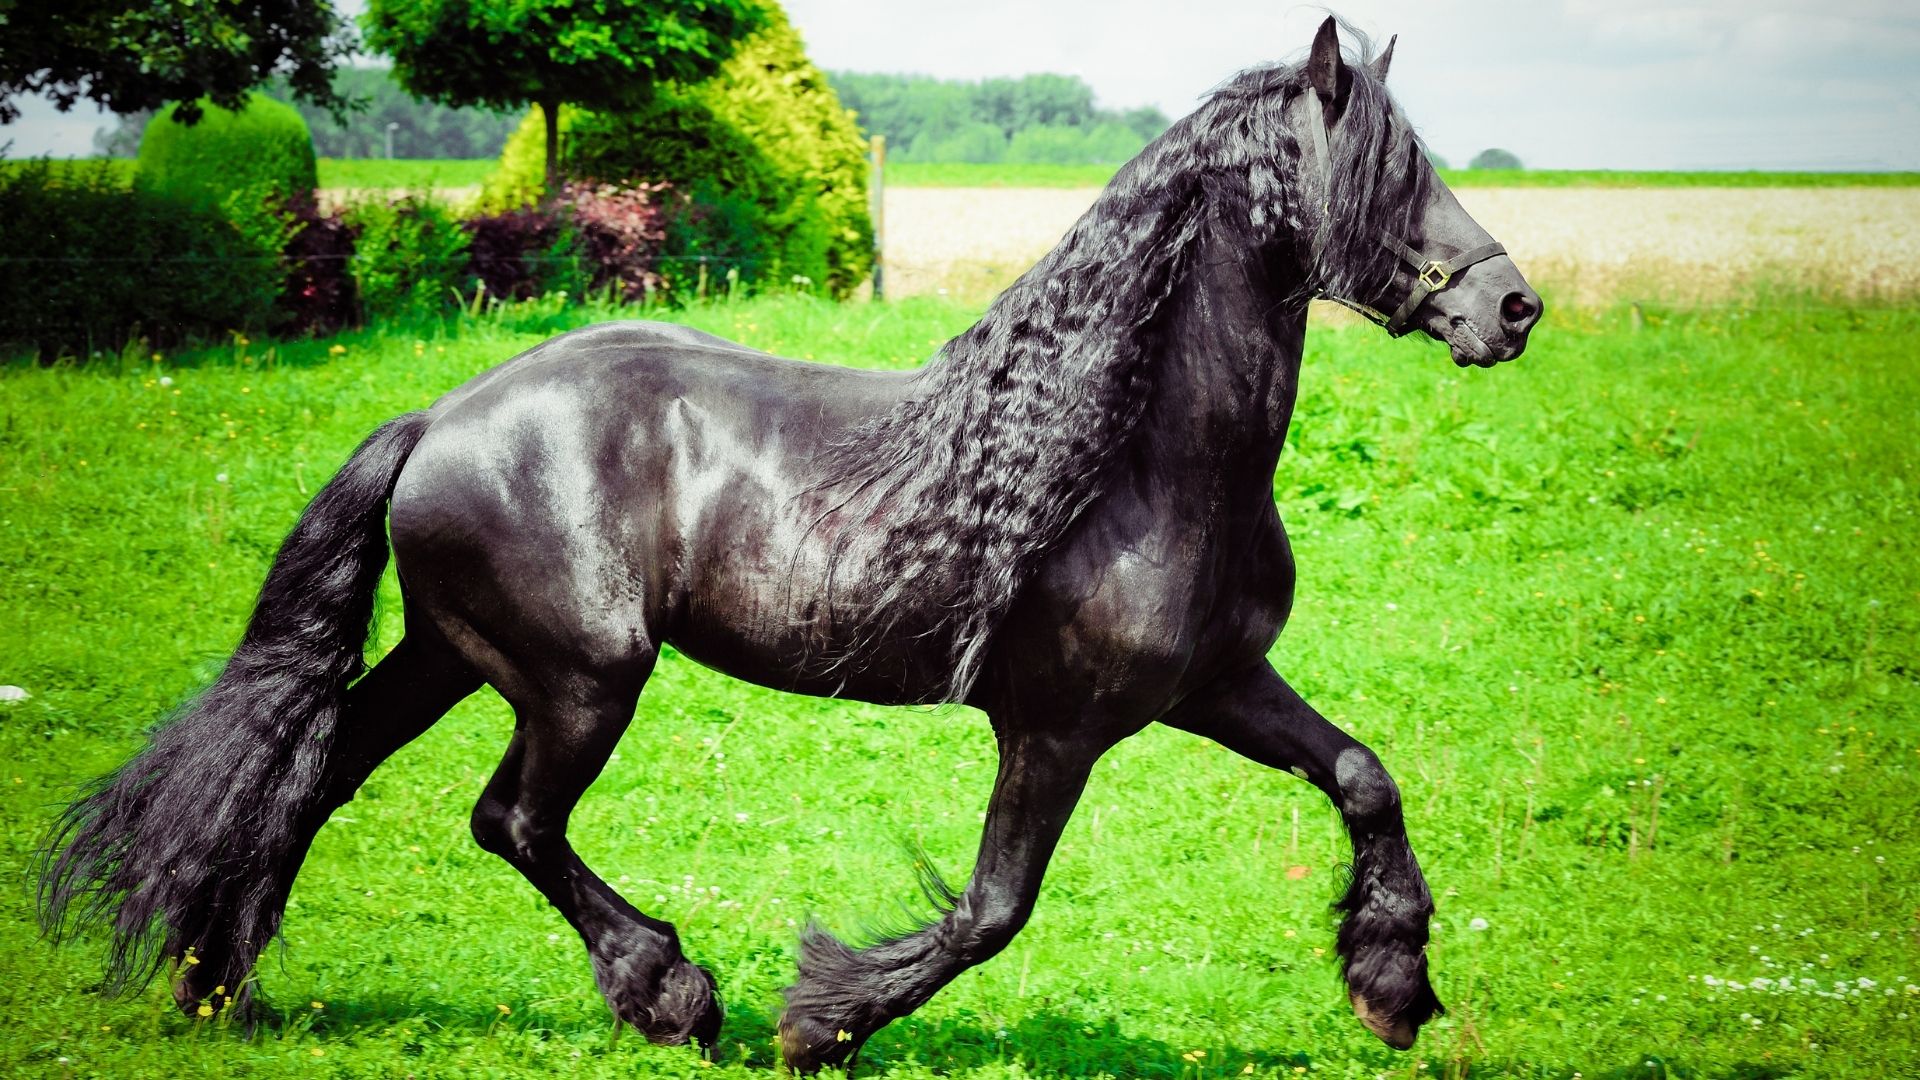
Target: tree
[134,57]
[601,54]
[947,120]
[1495,159]
[1034,101]
[421,129]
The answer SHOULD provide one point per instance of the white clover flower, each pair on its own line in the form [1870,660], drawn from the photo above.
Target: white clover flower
[1477,924]
[13,693]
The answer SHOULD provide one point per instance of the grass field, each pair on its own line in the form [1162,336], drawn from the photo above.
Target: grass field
[362,174]
[911,174]
[1635,621]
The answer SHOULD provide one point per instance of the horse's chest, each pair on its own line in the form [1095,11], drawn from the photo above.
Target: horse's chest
[1143,609]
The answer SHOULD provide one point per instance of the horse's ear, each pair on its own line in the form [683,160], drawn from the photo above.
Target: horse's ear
[1325,70]
[1381,62]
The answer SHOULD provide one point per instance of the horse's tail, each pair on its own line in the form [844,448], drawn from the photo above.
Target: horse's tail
[187,852]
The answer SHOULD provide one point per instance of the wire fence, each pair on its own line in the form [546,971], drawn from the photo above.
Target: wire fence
[271,257]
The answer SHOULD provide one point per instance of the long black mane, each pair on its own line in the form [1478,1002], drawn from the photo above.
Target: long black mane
[963,487]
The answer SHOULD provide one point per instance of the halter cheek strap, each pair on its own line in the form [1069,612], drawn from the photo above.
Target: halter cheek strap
[1429,275]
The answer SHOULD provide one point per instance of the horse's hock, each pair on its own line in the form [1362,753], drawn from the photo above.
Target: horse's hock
[1588,246]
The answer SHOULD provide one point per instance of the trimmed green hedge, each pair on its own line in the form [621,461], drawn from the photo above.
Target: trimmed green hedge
[774,167]
[251,165]
[86,264]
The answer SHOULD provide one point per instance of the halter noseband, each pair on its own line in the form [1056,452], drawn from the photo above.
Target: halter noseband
[1430,275]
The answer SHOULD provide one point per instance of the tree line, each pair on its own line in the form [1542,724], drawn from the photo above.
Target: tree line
[1039,118]
[1045,118]
[420,129]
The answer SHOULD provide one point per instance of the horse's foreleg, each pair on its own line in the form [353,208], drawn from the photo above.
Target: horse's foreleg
[844,995]
[558,748]
[1382,940]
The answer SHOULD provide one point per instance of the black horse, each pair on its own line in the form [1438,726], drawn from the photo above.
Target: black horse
[1066,519]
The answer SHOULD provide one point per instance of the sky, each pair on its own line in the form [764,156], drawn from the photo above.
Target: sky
[1608,84]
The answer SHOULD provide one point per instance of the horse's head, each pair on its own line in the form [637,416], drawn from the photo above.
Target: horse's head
[1383,234]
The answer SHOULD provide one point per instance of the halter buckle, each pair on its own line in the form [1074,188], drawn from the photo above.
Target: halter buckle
[1434,275]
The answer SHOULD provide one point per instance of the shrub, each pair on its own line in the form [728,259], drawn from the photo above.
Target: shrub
[88,263]
[591,238]
[524,253]
[410,256]
[252,165]
[775,167]
[620,233]
[265,143]
[318,263]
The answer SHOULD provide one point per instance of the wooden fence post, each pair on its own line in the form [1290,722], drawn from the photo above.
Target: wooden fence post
[877,193]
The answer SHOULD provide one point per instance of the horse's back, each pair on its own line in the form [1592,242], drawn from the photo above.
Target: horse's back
[584,494]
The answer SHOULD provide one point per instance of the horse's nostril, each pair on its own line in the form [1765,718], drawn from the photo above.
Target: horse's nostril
[1518,307]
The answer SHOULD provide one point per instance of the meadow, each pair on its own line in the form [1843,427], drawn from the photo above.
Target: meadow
[1635,621]
[1023,175]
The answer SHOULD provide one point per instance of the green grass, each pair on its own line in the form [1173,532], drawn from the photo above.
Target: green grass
[1672,560]
[1617,178]
[403,173]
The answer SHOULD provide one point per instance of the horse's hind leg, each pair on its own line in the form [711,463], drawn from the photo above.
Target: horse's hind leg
[1383,938]
[406,692]
[559,746]
[843,996]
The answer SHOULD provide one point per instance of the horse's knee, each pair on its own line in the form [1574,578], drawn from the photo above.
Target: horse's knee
[503,829]
[489,825]
[1367,793]
[988,927]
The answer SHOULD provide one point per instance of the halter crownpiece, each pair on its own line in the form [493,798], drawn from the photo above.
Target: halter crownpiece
[1430,275]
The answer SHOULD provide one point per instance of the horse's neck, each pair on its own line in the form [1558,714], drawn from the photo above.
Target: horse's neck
[1231,361]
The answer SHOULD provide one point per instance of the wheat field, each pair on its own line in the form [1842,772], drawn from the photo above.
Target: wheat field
[1585,246]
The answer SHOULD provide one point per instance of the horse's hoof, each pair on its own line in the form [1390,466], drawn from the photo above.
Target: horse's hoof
[1396,1031]
[807,1045]
[682,1006]
[200,998]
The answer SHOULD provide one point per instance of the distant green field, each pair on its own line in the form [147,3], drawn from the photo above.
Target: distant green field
[1609,178]
[912,174]
[1634,621]
[381,173]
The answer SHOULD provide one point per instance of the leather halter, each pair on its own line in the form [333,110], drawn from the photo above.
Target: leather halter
[1430,275]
